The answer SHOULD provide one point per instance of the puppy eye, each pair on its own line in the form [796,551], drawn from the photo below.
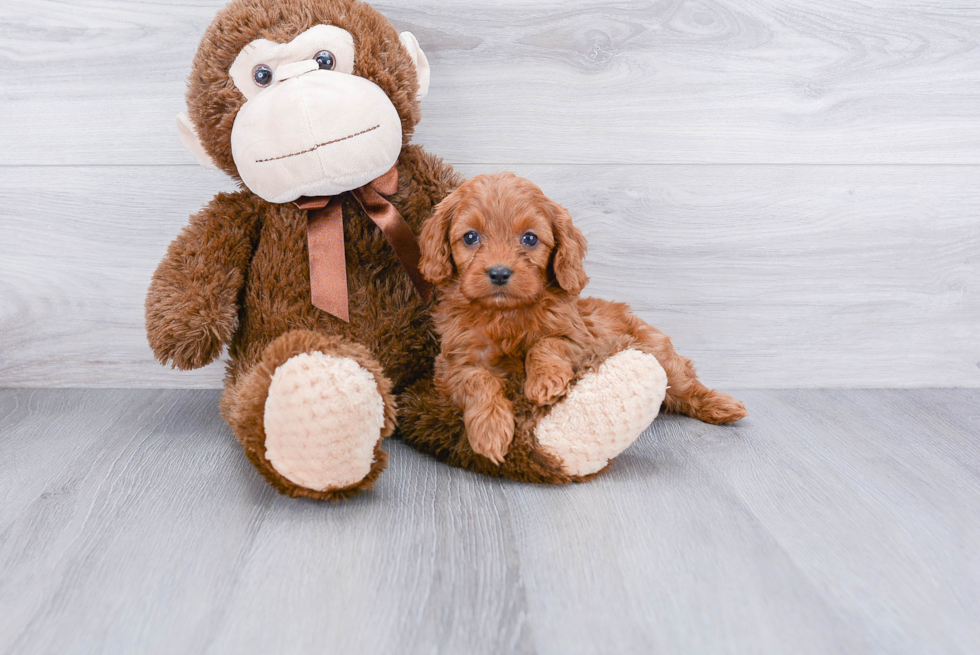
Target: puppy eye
[326,60]
[530,239]
[471,238]
[262,75]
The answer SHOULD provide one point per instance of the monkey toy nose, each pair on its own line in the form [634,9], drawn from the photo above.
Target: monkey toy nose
[295,69]
[499,275]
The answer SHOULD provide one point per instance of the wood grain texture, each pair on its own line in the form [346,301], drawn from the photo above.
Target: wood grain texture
[831,241]
[638,81]
[828,521]
[766,276]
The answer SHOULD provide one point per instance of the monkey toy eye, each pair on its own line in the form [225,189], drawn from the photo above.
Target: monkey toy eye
[471,238]
[530,239]
[326,60]
[262,75]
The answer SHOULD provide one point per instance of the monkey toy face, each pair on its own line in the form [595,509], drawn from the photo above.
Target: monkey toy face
[310,126]
[313,105]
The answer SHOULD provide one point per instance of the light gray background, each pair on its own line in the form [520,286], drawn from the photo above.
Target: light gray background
[788,188]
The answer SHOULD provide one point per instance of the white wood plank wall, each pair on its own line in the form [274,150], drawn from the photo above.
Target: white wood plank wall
[789,188]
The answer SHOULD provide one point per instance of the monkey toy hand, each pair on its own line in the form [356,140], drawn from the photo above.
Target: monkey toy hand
[188,331]
[192,304]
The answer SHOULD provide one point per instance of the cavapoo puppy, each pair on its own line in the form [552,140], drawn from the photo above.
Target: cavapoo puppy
[508,265]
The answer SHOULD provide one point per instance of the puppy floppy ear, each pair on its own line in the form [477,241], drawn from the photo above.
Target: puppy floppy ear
[436,264]
[570,247]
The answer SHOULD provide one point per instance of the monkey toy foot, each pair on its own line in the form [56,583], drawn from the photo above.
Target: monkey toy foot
[604,413]
[311,415]
[323,419]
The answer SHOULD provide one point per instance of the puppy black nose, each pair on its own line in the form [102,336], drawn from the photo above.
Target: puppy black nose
[499,275]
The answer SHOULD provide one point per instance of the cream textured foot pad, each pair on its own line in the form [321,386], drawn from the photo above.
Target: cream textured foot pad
[604,413]
[323,418]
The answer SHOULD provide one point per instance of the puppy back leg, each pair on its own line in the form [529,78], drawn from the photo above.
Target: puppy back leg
[685,393]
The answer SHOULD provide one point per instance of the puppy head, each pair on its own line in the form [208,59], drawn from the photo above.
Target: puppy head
[503,242]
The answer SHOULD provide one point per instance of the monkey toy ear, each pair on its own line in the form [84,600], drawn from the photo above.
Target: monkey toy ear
[188,136]
[419,59]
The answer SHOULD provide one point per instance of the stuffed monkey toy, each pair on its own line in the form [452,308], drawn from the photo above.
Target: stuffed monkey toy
[309,273]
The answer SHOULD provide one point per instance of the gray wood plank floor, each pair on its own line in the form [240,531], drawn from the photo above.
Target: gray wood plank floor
[828,521]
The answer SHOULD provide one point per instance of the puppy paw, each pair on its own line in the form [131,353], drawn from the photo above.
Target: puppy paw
[545,385]
[720,409]
[490,429]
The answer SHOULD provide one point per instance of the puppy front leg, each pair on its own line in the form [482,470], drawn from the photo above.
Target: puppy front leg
[548,369]
[487,414]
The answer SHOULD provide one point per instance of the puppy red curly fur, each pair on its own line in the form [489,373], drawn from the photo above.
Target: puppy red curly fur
[508,265]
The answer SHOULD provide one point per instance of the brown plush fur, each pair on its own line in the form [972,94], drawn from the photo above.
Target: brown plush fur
[533,327]
[238,274]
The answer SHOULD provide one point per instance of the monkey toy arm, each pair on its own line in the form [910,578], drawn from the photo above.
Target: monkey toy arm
[192,303]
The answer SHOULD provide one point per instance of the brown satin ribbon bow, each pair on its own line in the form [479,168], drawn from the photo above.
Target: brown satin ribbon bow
[325,235]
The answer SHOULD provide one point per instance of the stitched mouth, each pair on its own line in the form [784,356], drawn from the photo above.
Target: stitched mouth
[319,145]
